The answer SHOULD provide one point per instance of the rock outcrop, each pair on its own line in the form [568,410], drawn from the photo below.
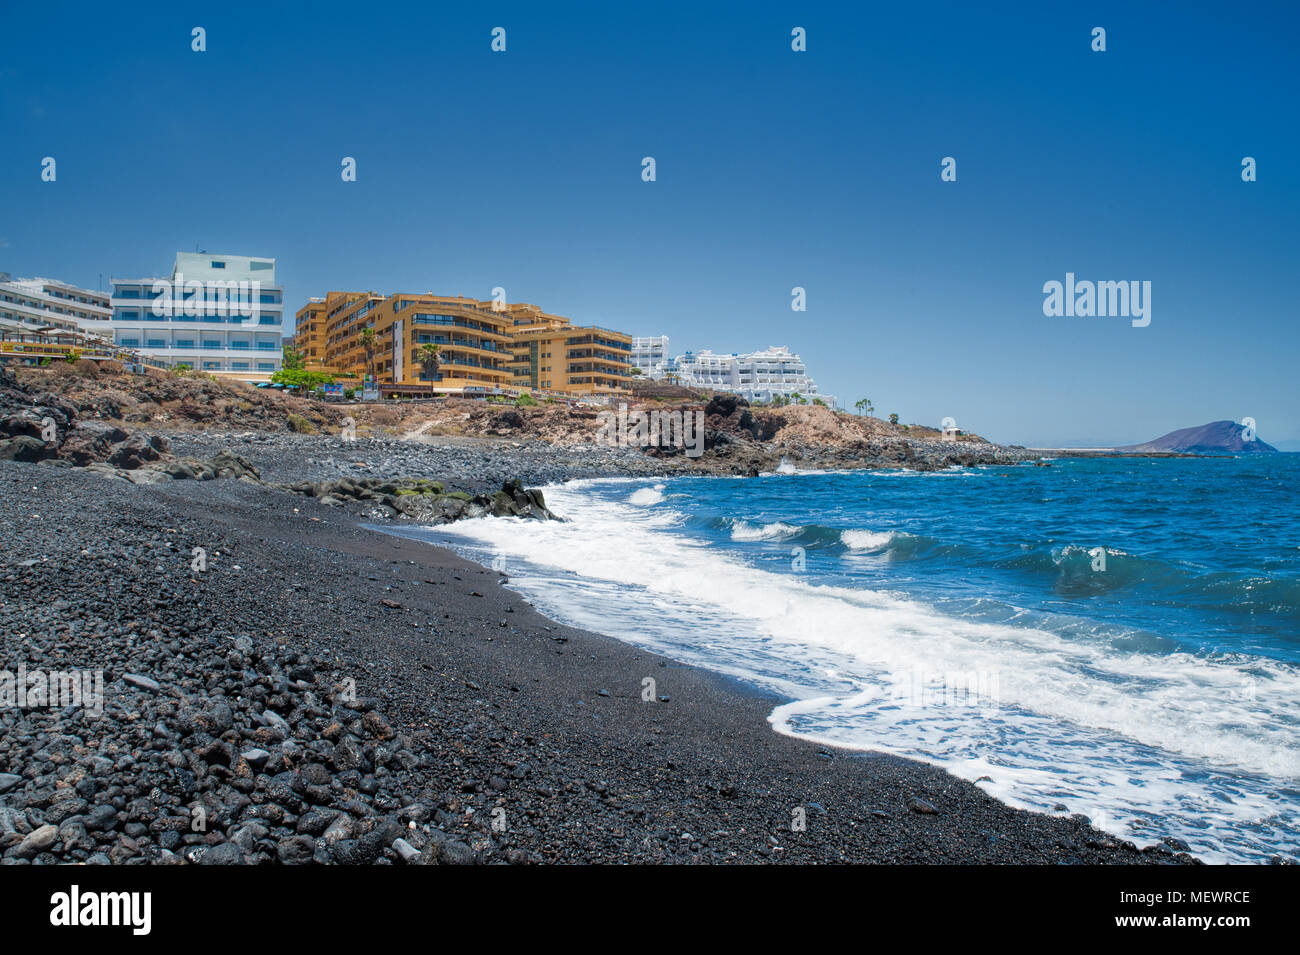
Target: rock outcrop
[425,501]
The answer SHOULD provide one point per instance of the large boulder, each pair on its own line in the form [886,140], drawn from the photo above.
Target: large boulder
[33,419]
[90,441]
[227,464]
[25,448]
[137,450]
[514,500]
[724,405]
[506,421]
[55,406]
[435,509]
[23,422]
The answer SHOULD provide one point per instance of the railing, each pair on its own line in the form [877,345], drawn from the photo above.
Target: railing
[93,352]
[51,350]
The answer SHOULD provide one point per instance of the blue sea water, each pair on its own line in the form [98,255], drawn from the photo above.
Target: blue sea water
[1113,637]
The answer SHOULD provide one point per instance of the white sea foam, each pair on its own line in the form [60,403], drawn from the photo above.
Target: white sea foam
[1145,744]
[865,540]
[786,469]
[647,496]
[777,530]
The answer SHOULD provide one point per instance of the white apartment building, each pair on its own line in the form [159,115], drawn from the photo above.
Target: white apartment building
[650,354]
[222,314]
[29,305]
[706,370]
[756,376]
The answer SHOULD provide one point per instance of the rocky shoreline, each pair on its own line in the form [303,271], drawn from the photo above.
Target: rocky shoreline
[88,415]
[267,681]
[317,692]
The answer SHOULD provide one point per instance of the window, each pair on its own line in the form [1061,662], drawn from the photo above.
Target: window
[184,343]
[266,366]
[212,364]
[239,366]
[156,343]
[211,343]
[218,265]
[129,342]
[128,316]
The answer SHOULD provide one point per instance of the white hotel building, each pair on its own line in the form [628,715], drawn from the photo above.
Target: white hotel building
[222,314]
[29,306]
[756,376]
[650,355]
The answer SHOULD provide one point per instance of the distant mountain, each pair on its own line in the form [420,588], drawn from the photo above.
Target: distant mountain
[1217,436]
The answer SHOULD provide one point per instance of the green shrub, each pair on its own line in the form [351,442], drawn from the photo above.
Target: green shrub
[298,423]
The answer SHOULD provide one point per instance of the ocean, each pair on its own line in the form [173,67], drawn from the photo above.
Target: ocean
[1113,637]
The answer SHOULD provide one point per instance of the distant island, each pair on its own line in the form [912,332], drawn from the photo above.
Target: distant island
[1217,436]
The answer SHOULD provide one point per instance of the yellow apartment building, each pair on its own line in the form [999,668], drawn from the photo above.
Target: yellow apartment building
[472,339]
[481,344]
[552,354]
[309,334]
[346,314]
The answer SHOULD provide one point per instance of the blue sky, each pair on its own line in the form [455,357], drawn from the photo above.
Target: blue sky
[775,169]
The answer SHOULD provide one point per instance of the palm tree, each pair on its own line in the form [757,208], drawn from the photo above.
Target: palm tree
[796,398]
[864,406]
[428,360]
[367,338]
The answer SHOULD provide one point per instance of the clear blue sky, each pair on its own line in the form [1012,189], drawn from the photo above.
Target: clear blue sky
[775,169]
